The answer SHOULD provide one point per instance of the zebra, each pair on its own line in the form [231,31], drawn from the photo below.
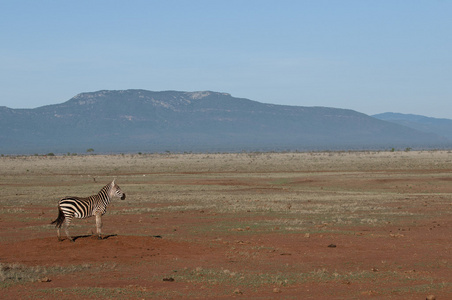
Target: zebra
[81,208]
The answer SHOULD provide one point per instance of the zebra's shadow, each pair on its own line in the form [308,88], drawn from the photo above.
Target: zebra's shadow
[104,237]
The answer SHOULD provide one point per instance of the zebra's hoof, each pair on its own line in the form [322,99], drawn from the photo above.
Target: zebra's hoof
[99,238]
[72,240]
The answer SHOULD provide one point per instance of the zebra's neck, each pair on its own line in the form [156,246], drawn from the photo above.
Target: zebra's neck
[105,192]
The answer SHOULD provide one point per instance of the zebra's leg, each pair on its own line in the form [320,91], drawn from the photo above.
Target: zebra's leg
[58,234]
[99,225]
[67,222]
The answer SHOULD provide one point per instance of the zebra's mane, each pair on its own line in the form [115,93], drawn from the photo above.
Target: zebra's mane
[105,189]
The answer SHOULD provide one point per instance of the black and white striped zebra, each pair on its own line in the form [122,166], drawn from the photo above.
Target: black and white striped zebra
[81,208]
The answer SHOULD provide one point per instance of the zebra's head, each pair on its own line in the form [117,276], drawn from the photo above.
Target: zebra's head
[115,191]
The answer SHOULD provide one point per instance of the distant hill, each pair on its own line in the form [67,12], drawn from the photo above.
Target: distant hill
[441,127]
[146,121]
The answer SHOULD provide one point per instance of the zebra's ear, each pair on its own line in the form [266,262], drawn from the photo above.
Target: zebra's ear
[113,182]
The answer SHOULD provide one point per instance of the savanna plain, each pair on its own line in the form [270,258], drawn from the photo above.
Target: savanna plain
[320,225]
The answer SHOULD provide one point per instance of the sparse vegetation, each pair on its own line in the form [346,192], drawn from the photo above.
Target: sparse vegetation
[219,225]
[18,273]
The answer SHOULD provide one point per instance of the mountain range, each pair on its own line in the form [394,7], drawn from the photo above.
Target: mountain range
[442,127]
[145,121]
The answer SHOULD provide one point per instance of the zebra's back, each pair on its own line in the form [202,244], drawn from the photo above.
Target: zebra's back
[77,207]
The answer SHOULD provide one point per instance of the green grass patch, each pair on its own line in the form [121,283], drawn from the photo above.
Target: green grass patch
[15,273]
[130,292]
[225,277]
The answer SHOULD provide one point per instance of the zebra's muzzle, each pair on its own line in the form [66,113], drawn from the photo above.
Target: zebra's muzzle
[123,196]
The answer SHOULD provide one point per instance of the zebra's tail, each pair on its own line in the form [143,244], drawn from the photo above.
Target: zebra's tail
[59,221]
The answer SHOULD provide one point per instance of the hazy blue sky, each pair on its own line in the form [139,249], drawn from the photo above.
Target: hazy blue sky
[370,56]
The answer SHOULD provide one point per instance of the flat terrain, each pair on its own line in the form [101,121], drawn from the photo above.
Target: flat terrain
[330,225]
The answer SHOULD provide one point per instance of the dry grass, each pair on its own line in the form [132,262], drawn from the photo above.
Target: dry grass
[223,197]
[297,191]
[18,273]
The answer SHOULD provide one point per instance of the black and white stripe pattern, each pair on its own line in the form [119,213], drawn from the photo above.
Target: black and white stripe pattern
[80,208]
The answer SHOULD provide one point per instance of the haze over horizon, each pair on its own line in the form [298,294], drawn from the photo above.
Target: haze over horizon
[372,57]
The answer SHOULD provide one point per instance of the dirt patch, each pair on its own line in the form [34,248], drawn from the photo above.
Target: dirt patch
[263,226]
[89,249]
